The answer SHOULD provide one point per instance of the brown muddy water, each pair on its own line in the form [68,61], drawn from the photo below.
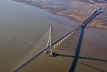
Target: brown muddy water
[23,29]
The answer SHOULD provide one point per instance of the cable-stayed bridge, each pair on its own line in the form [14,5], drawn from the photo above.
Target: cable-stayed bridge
[53,48]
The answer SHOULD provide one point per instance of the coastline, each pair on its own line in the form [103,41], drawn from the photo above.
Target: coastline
[76,13]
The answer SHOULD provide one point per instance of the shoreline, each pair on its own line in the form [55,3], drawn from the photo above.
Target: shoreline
[75,14]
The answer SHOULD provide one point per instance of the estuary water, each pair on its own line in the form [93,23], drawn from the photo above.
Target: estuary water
[23,29]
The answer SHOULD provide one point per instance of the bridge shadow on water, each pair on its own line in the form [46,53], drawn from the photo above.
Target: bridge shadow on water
[87,58]
[94,67]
